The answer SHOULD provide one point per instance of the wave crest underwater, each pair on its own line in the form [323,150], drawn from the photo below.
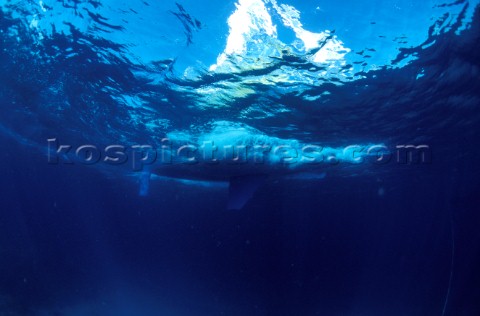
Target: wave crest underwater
[322,79]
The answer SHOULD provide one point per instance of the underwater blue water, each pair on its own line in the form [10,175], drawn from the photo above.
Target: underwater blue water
[345,237]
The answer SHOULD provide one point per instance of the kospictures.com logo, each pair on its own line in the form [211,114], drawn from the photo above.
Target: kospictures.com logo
[139,156]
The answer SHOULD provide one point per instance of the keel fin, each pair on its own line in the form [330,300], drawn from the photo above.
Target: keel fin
[242,188]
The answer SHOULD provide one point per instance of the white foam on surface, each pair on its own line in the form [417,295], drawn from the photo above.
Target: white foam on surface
[251,26]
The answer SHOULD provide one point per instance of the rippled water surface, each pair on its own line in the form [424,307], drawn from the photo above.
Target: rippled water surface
[349,237]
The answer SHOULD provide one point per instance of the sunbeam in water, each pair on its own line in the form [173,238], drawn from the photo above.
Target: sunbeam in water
[261,157]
